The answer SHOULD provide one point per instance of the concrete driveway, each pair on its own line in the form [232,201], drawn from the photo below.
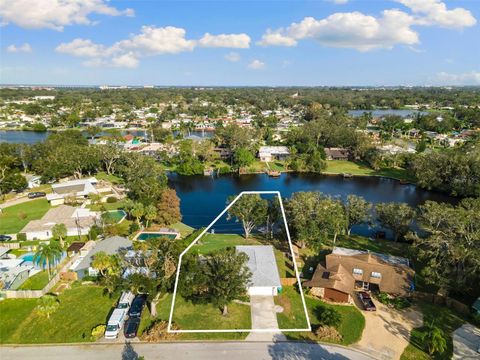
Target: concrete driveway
[387,331]
[466,342]
[264,316]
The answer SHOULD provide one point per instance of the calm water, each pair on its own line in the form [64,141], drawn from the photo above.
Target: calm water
[380,113]
[203,198]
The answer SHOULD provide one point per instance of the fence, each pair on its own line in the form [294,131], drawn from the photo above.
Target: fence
[32,294]
[442,300]
[288,281]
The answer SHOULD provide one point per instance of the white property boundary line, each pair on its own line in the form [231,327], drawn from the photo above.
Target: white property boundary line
[203,233]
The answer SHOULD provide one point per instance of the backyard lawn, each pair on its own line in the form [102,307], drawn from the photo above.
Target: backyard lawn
[293,315]
[205,317]
[446,319]
[14,218]
[35,282]
[81,309]
[350,328]
[212,242]
[357,168]
[184,229]
[102,175]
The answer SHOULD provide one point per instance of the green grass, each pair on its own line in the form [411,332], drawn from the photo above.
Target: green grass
[350,328]
[35,282]
[145,321]
[204,317]
[293,315]
[81,309]
[108,206]
[284,265]
[358,168]
[446,319]
[14,218]
[184,229]
[110,178]
[213,242]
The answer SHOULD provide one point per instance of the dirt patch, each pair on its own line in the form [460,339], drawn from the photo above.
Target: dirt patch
[387,331]
[284,302]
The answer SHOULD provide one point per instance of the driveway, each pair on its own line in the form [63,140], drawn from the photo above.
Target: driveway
[387,331]
[466,342]
[184,351]
[264,316]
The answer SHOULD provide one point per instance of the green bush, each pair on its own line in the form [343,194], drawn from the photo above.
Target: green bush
[21,237]
[397,303]
[111,199]
[328,316]
[133,228]
[94,232]
[224,169]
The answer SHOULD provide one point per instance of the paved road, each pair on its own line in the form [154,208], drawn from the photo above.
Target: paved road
[184,351]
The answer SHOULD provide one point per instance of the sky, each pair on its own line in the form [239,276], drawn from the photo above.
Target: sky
[240,43]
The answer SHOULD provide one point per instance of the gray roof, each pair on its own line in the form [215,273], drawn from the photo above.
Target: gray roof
[394,260]
[111,246]
[262,264]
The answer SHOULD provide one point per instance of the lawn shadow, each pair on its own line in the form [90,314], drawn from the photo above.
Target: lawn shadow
[301,350]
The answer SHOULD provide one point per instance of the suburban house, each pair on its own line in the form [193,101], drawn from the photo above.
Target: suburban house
[75,248]
[337,154]
[76,189]
[78,221]
[270,153]
[111,246]
[263,266]
[33,180]
[346,270]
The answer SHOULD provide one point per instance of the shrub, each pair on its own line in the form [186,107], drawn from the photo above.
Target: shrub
[158,331]
[224,169]
[397,303]
[22,237]
[328,316]
[94,232]
[133,228]
[98,331]
[112,199]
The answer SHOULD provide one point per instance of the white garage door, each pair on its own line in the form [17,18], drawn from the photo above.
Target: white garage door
[262,290]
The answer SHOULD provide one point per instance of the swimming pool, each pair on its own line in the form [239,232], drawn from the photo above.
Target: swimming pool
[28,257]
[115,216]
[152,235]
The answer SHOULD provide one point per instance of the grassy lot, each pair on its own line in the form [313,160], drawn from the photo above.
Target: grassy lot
[293,315]
[72,322]
[184,229]
[350,328]
[108,206]
[205,316]
[446,319]
[14,218]
[284,264]
[358,168]
[111,178]
[212,242]
[35,282]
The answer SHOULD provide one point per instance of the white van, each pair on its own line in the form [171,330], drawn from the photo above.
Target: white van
[115,323]
[125,300]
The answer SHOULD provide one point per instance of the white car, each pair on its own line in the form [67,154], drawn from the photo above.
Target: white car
[115,323]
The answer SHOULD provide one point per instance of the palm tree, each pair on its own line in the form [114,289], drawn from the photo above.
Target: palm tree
[59,231]
[150,213]
[102,262]
[47,305]
[48,254]
[434,339]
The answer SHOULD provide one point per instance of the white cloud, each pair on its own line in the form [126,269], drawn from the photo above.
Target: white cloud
[435,12]
[239,41]
[339,2]
[232,56]
[55,14]
[128,60]
[25,48]
[82,48]
[468,78]
[276,38]
[363,32]
[256,65]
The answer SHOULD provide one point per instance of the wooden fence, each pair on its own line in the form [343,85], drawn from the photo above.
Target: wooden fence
[443,300]
[288,281]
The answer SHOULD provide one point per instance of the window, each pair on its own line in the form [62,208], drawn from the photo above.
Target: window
[376,275]
[357,271]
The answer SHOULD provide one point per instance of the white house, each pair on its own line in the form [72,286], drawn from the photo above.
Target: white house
[269,153]
[78,221]
[79,189]
[263,266]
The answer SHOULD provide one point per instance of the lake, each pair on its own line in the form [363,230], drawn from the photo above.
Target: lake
[203,198]
[384,112]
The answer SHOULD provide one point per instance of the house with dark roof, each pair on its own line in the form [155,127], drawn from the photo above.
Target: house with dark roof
[263,266]
[347,270]
[337,154]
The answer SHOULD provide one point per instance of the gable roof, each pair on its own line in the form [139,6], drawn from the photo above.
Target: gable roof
[337,277]
[262,264]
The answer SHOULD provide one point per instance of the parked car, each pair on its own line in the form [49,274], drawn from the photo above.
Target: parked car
[125,300]
[115,323]
[5,238]
[366,301]
[137,306]
[36,194]
[131,327]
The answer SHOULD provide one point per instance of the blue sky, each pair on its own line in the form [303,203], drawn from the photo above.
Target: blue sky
[313,43]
